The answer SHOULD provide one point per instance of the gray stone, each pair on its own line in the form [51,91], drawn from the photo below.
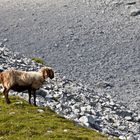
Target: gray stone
[1,69]
[135,13]
[135,129]
[137,118]
[91,119]
[131,3]
[131,137]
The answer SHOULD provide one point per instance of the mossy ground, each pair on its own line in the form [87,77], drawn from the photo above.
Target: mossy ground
[21,121]
[38,60]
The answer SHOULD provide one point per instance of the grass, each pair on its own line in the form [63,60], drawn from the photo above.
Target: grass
[21,121]
[38,60]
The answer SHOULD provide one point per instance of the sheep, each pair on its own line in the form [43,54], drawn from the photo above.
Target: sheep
[19,81]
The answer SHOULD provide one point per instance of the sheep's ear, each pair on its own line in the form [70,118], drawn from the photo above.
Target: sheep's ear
[50,73]
[43,70]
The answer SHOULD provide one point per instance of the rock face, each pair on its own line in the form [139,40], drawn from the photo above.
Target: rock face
[78,102]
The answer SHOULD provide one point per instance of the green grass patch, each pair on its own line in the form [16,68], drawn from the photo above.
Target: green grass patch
[38,60]
[21,121]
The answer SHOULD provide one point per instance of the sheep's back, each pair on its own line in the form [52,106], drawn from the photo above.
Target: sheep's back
[33,79]
[7,78]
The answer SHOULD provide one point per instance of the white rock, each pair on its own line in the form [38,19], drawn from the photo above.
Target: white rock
[88,108]
[83,109]
[128,118]
[12,113]
[49,131]
[112,103]
[18,103]
[65,130]
[122,127]
[58,106]
[122,138]
[105,131]
[76,111]
[83,119]
[40,111]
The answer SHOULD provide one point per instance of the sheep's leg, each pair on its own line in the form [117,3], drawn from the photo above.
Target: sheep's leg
[6,96]
[34,95]
[29,92]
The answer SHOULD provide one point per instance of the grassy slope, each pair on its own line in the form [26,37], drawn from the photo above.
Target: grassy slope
[21,121]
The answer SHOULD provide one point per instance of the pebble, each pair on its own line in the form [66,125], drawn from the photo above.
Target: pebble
[40,111]
[65,130]
[131,137]
[128,118]
[19,103]
[12,113]
[122,138]
[83,119]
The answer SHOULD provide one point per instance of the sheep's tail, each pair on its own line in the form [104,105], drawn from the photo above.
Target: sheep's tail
[1,77]
[1,86]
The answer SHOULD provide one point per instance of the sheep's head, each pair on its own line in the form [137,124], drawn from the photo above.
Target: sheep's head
[47,72]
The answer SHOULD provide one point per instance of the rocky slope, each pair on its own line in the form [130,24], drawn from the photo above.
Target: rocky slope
[78,102]
[90,41]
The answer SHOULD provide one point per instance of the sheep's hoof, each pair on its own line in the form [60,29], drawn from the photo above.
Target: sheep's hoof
[8,102]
